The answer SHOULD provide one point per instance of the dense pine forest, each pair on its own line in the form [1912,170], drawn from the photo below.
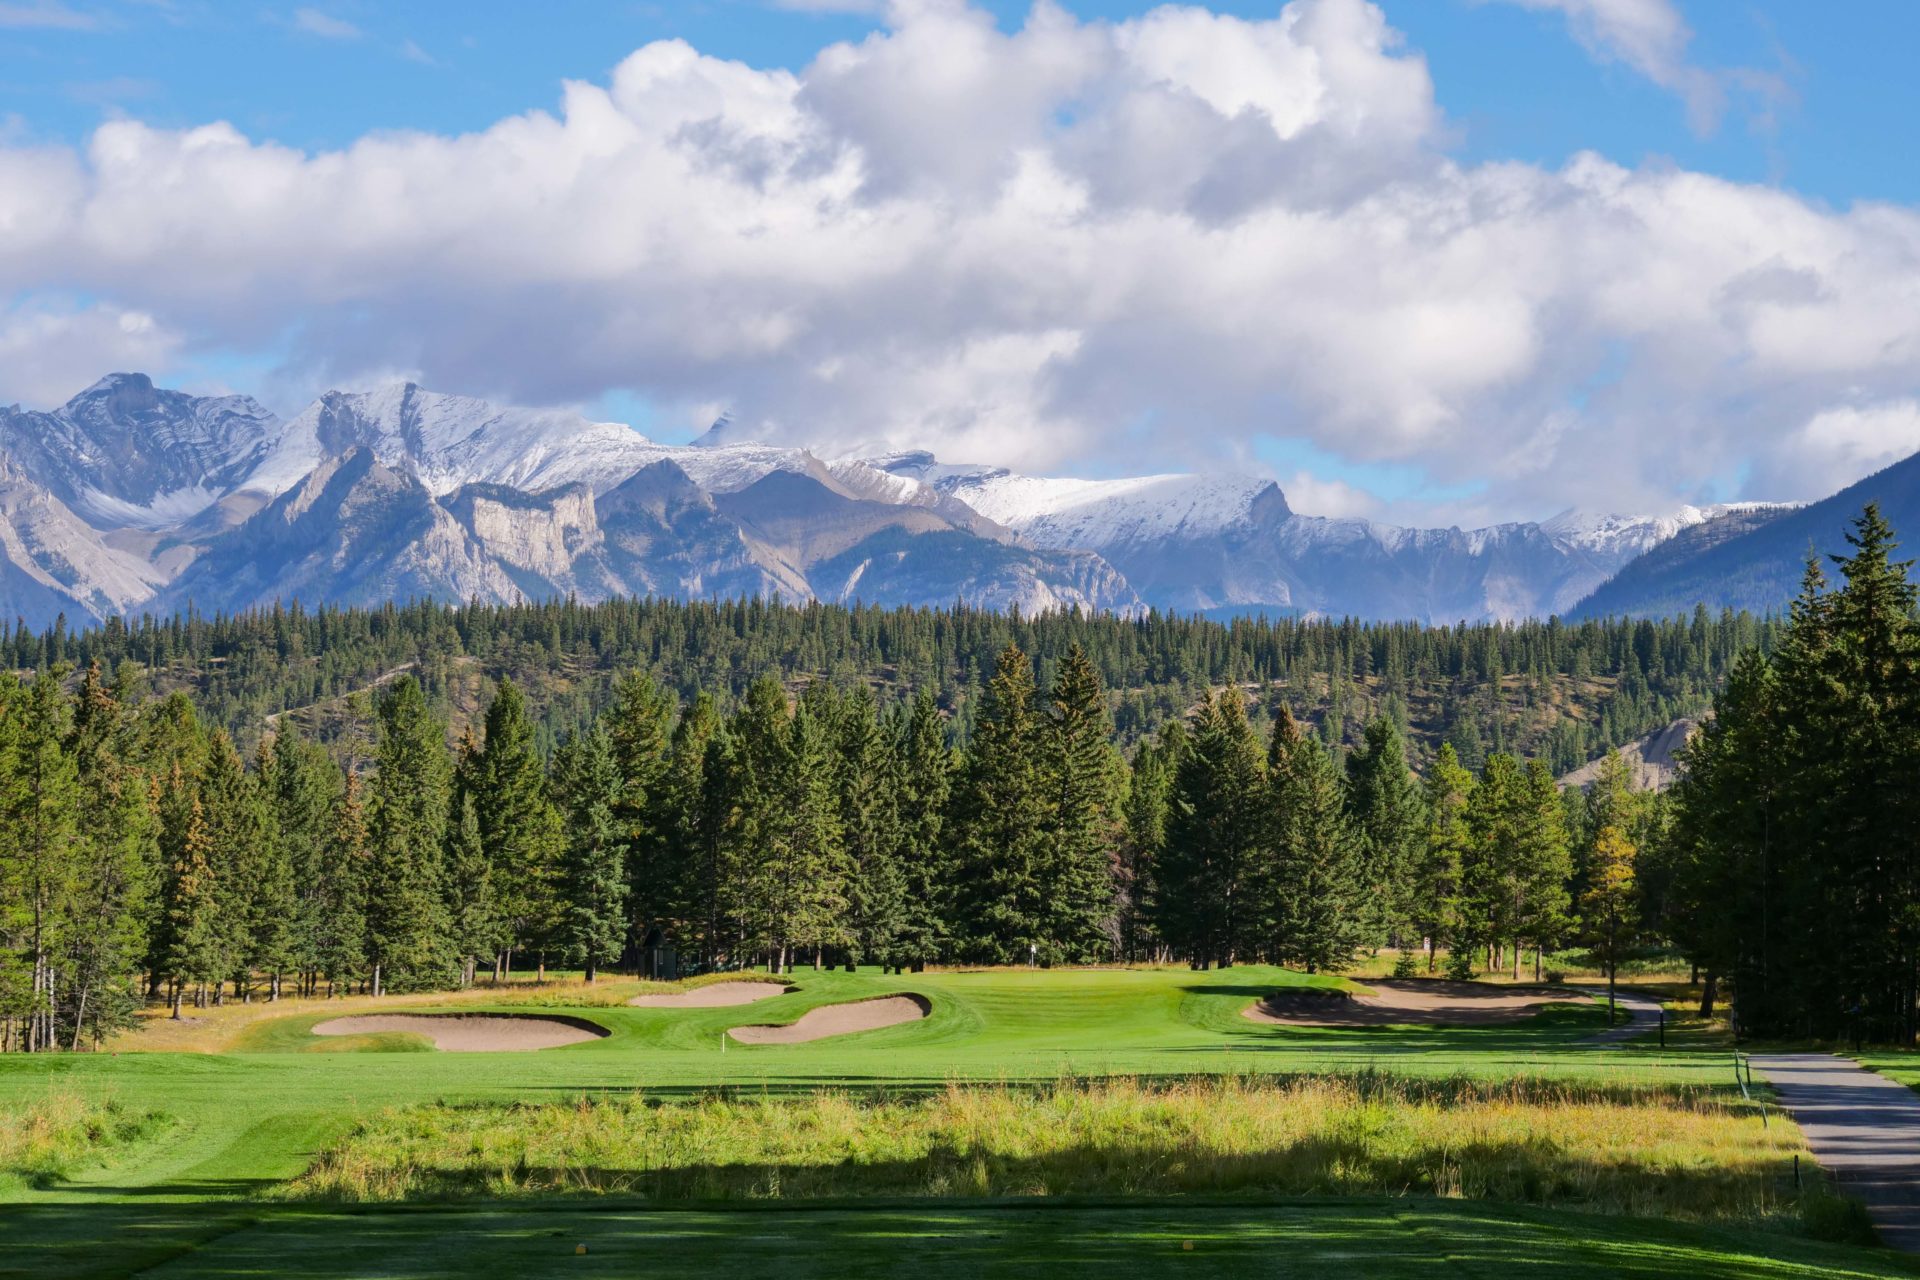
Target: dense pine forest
[1797,822]
[204,810]
[1561,692]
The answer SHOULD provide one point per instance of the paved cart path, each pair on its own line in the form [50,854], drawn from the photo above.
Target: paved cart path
[1863,1128]
[1639,1016]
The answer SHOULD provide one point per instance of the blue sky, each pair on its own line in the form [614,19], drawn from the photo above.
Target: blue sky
[1513,82]
[1407,297]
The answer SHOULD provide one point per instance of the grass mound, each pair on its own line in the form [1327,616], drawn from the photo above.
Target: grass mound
[1672,1152]
[43,1139]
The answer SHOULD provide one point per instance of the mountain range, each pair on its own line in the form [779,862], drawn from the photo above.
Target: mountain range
[131,498]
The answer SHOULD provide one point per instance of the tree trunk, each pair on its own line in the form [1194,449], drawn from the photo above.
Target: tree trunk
[1709,993]
[79,1016]
[376,980]
[590,968]
[178,990]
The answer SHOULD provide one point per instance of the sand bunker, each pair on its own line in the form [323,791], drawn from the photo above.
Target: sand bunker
[1412,1000]
[839,1020]
[472,1032]
[717,995]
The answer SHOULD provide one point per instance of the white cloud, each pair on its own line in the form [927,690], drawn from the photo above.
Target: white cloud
[49,350]
[1840,445]
[1017,247]
[1652,38]
[315,23]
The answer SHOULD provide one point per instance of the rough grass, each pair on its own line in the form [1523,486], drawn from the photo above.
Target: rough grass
[42,1139]
[1672,1152]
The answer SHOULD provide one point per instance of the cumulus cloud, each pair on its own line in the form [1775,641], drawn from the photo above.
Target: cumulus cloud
[1839,445]
[1017,247]
[50,349]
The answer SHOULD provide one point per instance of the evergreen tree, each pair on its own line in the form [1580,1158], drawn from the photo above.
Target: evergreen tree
[408,942]
[342,882]
[640,723]
[1144,815]
[38,829]
[303,782]
[593,863]
[473,901]
[1207,898]
[1082,775]
[518,827]
[689,867]
[999,826]
[926,789]
[868,786]
[813,875]
[1609,902]
[117,873]
[1386,807]
[1316,887]
[195,953]
[1434,885]
[240,852]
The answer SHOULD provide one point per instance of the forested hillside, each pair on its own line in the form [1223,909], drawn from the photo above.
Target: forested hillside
[1562,692]
[230,804]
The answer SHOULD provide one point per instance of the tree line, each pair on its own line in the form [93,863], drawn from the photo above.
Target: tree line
[142,857]
[1797,819]
[1565,692]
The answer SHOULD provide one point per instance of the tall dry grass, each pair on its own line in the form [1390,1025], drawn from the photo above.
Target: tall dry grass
[42,1139]
[1674,1152]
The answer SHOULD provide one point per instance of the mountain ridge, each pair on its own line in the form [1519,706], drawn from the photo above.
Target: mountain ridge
[132,497]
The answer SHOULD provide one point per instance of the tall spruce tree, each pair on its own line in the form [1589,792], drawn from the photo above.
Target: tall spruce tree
[1317,865]
[473,899]
[117,875]
[343,882]
[408,938]
[518,827]
[814,875]
[304,781]
[1207,899]
[1082,774]
[1434,884]
[688,869]
[593,862]
[867,784]
[240,853]
[926,789]
[641,725]
[999,827]
[195,952]
[1387,811]
[1144,814]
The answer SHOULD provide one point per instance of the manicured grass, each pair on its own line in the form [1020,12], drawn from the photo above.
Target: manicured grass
[256,1097]
[1366,1238]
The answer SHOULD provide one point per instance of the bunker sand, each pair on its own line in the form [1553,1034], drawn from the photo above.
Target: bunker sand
[839,1020]
[472,1032]
[1396,1002]
[718,995]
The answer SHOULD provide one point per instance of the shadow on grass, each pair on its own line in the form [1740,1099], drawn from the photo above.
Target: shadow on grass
[1366,1237]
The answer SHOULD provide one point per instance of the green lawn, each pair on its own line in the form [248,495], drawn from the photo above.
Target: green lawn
[254,1116]
[1373,1239]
